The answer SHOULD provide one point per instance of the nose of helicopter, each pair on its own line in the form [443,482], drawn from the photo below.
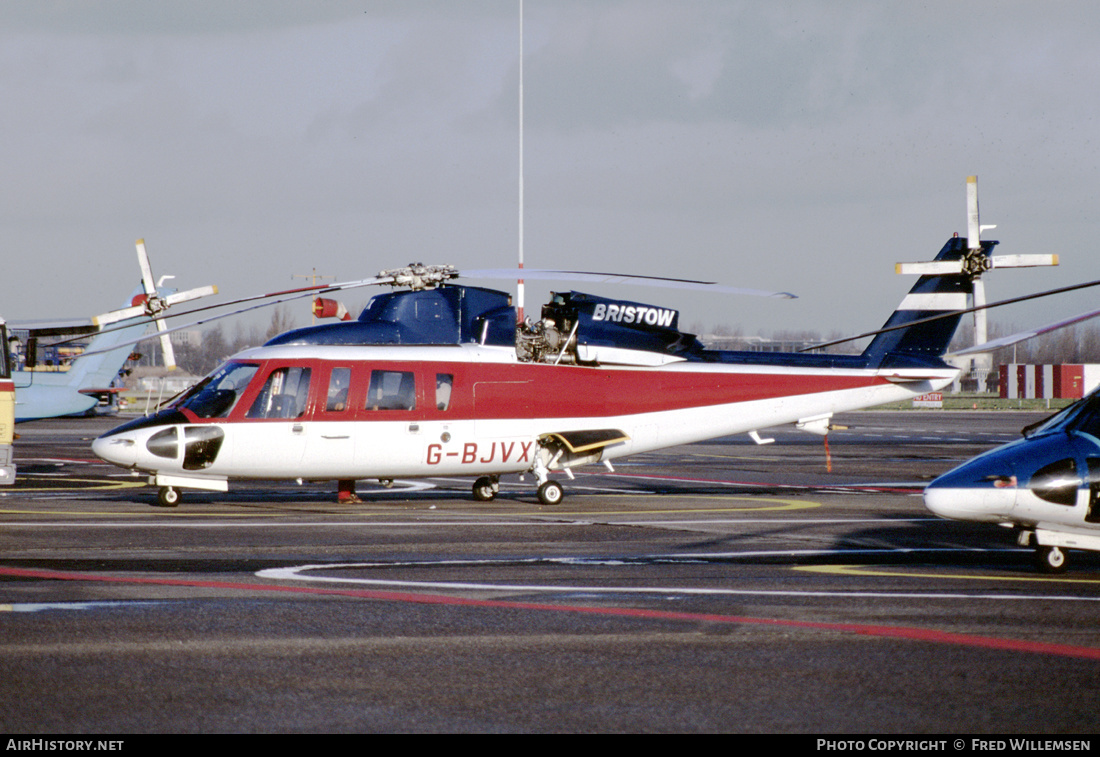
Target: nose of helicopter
[983,489]
[118,449]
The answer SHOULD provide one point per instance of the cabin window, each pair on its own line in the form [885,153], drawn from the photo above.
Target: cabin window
[284,394]
[338,383]
[164,444]
[215,396]
[391,390]
[1093,514]
[443,384]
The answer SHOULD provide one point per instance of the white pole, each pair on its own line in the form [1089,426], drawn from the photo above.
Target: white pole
[982,363]
[519,281]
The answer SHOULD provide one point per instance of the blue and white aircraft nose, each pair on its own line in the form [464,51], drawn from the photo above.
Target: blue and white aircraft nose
[983,489]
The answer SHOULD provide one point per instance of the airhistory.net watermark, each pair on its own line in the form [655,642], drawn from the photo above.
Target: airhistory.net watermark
[63,745]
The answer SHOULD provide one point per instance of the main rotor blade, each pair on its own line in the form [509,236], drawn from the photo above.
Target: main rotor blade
[614,278]
[953,313]
[1008,341]
[275,298]
[286,295]
[290,294]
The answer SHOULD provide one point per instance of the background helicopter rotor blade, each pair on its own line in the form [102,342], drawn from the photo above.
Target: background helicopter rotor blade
[155,304]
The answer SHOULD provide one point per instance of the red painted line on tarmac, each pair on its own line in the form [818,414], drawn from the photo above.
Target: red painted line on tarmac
[893,632]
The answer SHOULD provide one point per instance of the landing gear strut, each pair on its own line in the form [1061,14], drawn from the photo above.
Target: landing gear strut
[550,492]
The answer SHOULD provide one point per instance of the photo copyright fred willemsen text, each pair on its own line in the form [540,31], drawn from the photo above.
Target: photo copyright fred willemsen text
[954,745]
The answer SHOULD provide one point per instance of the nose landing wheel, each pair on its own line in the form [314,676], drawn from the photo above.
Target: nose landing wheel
[1051,559]
[168,496]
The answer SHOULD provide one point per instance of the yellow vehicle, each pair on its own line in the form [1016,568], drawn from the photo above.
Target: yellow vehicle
[7,410]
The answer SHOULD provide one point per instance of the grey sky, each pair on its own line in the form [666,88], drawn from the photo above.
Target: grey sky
[802,146]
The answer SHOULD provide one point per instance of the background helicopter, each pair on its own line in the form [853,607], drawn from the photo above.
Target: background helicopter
[42,393]
[1046,485]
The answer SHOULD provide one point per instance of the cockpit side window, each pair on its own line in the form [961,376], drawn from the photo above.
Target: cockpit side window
[215,396]
[285,394]
[391,390]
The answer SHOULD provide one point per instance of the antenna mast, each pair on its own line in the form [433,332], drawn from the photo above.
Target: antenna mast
[519,281]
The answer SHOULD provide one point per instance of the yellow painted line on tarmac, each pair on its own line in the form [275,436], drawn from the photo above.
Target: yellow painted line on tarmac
[153,511]
[92,484]
[858,570]
[98,485]
[770,504]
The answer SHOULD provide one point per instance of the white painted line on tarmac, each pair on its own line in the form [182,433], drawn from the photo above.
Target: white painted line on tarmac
[307,573]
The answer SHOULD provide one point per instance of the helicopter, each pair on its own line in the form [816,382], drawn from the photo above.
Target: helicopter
[1045,485]
[436,379]
[441,379]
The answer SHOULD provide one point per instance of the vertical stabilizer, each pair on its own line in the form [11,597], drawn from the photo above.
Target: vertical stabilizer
[97,371]
[46,394]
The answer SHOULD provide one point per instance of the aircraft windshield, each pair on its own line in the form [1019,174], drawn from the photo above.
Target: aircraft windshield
[1083,415]
[216,395]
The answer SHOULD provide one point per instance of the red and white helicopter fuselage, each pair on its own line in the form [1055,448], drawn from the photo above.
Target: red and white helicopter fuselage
[316,412]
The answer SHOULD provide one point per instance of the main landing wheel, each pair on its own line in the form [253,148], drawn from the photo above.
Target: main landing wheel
[168,496]
[484,491]
[551,493]
[1051,559]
